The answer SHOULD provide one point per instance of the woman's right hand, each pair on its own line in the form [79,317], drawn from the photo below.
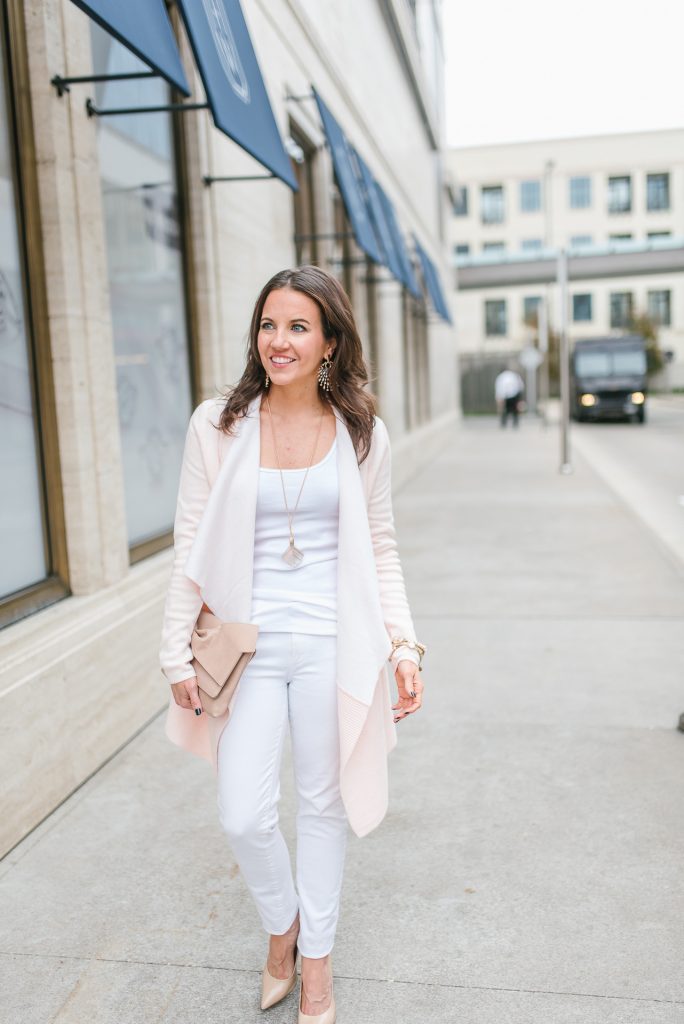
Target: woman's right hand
[186,694]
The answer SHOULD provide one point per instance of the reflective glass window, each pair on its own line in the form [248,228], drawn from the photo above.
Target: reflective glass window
[144,246]
[581,307]
[530,196]
[659,302]
[658,191]
[580,192]
[620,194]
[492,204]
[531,309]
[23,550]
[620,309]
[495,317]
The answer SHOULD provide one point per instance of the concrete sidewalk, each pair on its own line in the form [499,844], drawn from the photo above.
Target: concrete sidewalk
[530,868]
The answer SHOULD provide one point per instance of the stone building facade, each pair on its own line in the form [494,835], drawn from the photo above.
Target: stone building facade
[126,287]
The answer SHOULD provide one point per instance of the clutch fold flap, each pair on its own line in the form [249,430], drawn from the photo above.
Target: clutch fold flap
[218,649]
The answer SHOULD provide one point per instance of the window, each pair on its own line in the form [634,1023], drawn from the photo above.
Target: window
[620,194]
[495,317]
[581,307]
[659,234]
[492,204]
[462,249]
[461,202]
[581,241]
[620,309]
[530,196]
[610,364]
[580,193]
[531,309]
[144,243]
[659,307]
[306,250]
[494,247]
[657,191]
[531,244]
[24,554]
[617,239]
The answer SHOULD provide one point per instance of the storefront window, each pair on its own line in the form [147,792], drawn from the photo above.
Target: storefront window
[23,553]
[306,249]
[146,282]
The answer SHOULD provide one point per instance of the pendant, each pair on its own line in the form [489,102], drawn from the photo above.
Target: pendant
[292,555]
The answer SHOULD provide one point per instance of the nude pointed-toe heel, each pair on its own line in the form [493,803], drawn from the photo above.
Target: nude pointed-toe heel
[275,989]
[328,1016]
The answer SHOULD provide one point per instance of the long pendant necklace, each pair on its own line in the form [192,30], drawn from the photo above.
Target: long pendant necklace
[292,554]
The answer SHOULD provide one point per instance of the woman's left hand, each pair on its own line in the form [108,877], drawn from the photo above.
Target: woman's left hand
[409,689]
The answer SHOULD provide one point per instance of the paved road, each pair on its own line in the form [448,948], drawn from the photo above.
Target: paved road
[644,464]
[530,869]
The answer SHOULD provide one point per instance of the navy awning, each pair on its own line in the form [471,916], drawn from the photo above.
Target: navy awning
[407,275]
[350,185]
[232,81]
[432,283]
[145,29]
[391,258]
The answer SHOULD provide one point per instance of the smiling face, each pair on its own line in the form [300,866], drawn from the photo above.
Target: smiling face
[291,341]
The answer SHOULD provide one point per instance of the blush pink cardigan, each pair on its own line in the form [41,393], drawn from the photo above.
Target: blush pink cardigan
[213,562]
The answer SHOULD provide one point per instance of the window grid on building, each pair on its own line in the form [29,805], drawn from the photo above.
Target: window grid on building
[461,201]
[530,196]
[531,309]
[658,191]
[659,306]
[496,319]
[620,194]
[492,204]
[581,307]
[581,241]
[620,309]
[580,192]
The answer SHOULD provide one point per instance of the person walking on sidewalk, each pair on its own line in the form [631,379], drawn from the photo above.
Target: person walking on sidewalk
[508,389]
[284,519]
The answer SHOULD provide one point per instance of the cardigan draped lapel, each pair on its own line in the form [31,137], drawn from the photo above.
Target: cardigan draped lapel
[220,564]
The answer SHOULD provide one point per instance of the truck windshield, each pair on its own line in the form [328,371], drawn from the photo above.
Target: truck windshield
[610,364]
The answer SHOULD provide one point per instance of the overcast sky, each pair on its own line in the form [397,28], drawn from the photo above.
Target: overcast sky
[539,69]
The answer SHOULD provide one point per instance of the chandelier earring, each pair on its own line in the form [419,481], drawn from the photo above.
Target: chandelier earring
[267,381]
[324,373]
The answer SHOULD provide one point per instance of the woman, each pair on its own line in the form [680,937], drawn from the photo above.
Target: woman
[284,519]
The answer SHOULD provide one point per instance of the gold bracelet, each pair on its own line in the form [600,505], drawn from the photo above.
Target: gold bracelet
[413,644]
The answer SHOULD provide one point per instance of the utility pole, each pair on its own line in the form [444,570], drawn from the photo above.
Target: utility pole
[543,329]
[565,464]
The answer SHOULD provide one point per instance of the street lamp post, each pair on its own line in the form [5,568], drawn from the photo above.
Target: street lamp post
[543,329]
[565,464]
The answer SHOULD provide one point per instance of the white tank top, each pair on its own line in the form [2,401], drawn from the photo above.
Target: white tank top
[302,598]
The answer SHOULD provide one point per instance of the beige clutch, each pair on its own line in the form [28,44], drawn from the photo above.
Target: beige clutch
[221,651]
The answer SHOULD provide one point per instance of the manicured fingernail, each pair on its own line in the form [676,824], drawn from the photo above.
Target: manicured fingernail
[198,711]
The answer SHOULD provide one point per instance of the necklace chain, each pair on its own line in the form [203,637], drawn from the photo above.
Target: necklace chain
[292,554]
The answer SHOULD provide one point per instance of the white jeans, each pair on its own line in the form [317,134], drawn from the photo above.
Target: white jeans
[291,677]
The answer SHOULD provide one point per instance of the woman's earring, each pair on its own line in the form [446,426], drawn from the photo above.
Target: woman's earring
[324,373]
[267,381]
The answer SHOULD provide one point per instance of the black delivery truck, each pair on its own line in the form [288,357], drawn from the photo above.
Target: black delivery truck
[608,378]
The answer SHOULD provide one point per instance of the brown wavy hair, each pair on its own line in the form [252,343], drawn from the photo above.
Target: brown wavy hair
[348,372]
